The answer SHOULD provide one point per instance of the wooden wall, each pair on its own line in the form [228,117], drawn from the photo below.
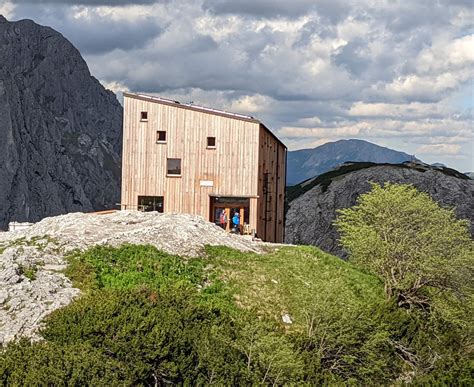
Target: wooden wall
[271,187]
[231,166]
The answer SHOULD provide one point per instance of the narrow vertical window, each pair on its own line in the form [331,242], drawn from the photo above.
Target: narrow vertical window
[144,116]
[211,142]
[160,136]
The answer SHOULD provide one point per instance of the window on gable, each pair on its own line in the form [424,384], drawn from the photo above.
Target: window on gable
[211,142]
[144,116]
[173,167]
[160,136]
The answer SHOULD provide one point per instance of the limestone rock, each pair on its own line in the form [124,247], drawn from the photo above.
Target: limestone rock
[60,130]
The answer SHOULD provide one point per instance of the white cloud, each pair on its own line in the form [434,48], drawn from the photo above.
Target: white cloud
[447,55]
[327,132]
[250,104]
[424,88]
[352,28]
[439,149]
[116,87]
[400,111]
[7,9]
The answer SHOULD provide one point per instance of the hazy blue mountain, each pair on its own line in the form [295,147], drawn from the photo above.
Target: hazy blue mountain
[307,163]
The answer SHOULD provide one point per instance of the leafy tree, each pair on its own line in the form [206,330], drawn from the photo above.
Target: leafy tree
[419,249]
[424,255]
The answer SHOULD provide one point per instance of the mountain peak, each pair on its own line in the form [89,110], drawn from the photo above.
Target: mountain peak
[3,19]
[307,163]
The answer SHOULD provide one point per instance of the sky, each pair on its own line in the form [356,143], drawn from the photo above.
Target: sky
[398,73]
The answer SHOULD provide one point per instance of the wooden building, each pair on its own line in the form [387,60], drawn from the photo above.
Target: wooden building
[189,159]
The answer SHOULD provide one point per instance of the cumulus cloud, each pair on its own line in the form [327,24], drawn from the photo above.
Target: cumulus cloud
[96,30]
[262,8]
[396,73]
[406,111]
[6,9]
[439,149]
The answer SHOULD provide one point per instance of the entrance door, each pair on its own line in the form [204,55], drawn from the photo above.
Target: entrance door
[224,210]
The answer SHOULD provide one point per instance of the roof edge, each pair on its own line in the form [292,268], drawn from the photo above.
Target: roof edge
[202,109]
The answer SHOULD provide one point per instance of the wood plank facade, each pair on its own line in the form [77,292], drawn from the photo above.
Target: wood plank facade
[226,161]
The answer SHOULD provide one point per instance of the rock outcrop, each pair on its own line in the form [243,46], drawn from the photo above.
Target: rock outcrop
[60,130]
[32,284]
[314,203]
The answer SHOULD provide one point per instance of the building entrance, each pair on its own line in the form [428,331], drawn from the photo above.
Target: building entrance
[225,210]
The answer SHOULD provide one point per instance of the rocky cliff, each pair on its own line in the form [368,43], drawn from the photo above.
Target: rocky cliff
[313,203]
[60,130]
[306,163]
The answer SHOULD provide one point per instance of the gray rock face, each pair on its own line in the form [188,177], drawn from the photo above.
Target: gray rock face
[31,287]
[310,215]
[60,130]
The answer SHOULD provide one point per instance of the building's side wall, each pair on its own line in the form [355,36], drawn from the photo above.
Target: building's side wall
[231,166]
[271,204]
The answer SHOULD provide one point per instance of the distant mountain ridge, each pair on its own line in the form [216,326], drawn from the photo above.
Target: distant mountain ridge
[60,129]
[304,164]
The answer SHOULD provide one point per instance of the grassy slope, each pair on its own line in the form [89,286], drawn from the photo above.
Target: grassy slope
[298,281]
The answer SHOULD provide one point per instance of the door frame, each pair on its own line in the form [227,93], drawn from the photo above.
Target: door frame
[228,206]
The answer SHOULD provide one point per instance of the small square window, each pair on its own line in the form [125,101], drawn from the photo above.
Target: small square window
[160,136]
[174,167]
[211,142]
[144,116]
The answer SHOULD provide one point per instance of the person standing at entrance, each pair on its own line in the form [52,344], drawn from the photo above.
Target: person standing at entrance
[236,222]
[223,219]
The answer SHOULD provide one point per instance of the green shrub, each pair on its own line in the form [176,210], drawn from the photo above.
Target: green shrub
[49,363]
[147,337]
